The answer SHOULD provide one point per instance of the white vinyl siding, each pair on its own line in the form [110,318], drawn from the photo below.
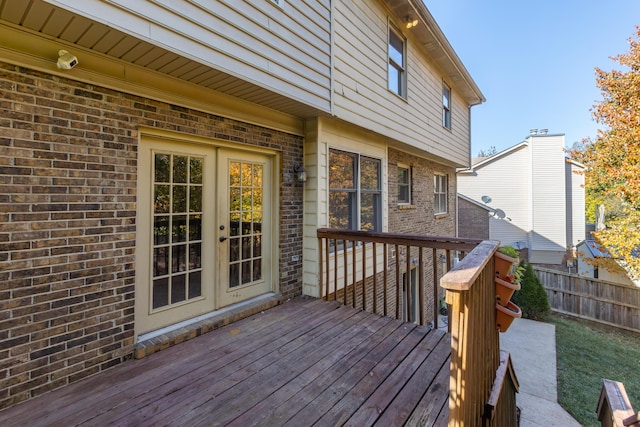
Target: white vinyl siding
[506,181]
[361,94]
[285,47]
[549,195]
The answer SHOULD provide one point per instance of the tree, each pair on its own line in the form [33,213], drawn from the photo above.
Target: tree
[487,153]
[613,158]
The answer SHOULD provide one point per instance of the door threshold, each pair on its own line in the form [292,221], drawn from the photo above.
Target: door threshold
[166,337]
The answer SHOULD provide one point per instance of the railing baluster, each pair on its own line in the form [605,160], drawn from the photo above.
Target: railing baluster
[398,294]
[364,275]
[407,286]
[321,267]
[375,279]
[346,270]
[355,271]
[435,288]
[335,270]
[421,295]
[386,274]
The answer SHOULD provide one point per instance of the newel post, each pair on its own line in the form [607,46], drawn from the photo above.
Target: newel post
[475,344]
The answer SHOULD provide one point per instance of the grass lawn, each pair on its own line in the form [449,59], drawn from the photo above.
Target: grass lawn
[587,353]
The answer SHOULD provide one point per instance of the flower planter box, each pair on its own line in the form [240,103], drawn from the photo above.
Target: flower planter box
[503,264]
[505,290]
[505,315]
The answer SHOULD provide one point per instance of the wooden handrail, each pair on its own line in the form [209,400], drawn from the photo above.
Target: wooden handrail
[353,271]
[614,408]
[477,394]
[438,242]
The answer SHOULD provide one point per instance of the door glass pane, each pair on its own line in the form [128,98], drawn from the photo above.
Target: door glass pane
[245,221]
[177,229]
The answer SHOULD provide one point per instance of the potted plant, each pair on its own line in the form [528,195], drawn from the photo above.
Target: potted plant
[504,259]
[507,286]
[506,314]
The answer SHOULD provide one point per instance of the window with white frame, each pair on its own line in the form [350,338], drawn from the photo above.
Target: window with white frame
[355,191]
[440,194]
[404,184]
[397,63]
[446,106]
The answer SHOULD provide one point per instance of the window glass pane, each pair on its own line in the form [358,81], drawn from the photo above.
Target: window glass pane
[369,174]
[341,170]
[195,199]
[178,288]
[180,169]
[195,171]
[161,199]
[369,211]
[396,48]
[341,210]
[160,292]
[394,79]
[179,198]
[403,194]
[445,96]
[161,230]
[161,167]
[195,284]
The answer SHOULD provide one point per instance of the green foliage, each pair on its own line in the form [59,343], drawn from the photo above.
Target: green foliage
[587,353]
[531,298]
[508,251]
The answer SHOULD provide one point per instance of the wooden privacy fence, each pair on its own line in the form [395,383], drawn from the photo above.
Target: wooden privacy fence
[391,274]
[592,299]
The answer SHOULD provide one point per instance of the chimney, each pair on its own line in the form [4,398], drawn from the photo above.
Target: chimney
[543,131]
[533,131]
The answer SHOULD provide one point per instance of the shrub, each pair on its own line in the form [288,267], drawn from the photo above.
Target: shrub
[531,298]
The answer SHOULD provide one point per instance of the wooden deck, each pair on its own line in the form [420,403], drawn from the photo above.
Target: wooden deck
[305,362]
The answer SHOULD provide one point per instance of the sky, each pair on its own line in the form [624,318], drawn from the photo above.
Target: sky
[535,62]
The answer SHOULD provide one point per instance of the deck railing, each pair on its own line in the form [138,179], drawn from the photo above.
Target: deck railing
[614,408]
[482,384]
[372,271]
[391,274]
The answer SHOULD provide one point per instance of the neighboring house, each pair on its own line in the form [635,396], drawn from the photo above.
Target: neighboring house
[151,178]
[589,250]
[535,197]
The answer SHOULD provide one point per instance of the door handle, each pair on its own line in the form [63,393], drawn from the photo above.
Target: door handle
[222,238]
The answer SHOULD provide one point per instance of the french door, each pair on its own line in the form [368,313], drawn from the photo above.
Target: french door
[204,230]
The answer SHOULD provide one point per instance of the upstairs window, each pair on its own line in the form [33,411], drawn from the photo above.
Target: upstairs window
[397,64]
[404,185]
[446,106]
[440,194]
[355,192]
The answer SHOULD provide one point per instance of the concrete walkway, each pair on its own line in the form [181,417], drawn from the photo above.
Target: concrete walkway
[533,352]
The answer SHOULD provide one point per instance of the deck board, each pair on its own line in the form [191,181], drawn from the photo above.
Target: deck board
[301,363]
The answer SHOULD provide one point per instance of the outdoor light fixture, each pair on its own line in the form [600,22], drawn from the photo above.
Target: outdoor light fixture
[411,22]
[301,173]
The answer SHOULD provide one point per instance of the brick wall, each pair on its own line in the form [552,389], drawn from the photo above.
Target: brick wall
[67,222]
[419,217]
[473,221]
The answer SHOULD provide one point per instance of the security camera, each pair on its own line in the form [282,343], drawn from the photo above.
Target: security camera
[66,61]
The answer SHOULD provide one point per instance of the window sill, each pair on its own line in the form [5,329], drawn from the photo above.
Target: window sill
[441,215]
[406,207]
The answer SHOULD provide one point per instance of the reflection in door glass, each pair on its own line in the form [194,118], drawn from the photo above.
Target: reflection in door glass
[177,229]
[245,222]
